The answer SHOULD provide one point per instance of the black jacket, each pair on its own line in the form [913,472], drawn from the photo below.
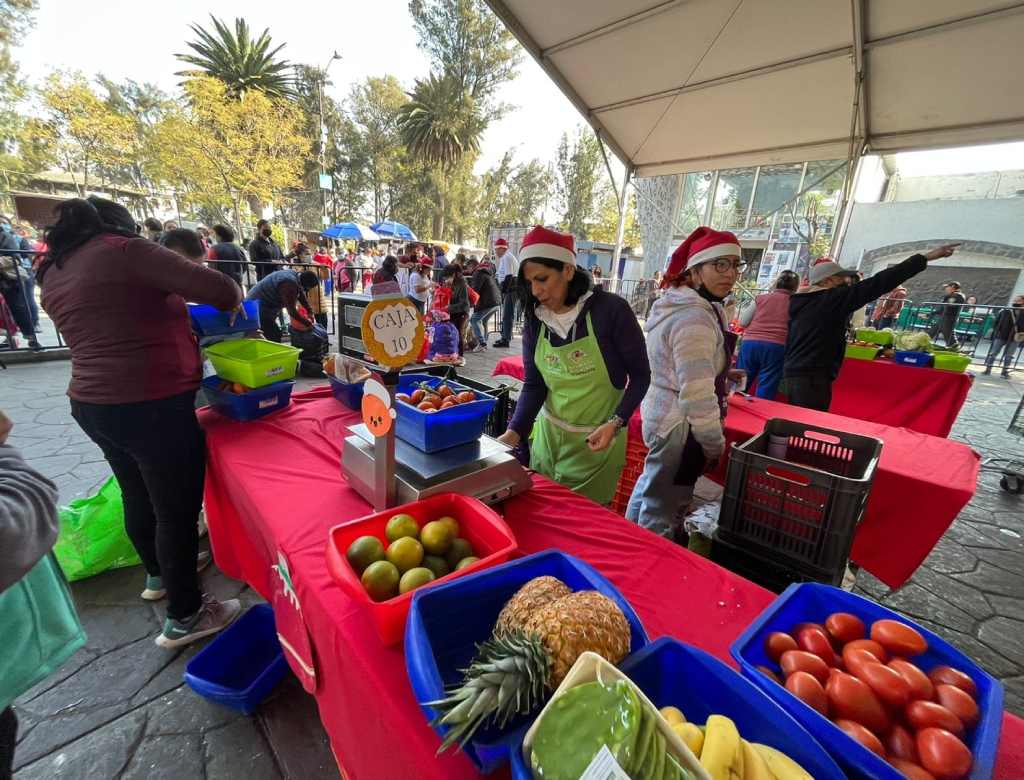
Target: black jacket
[817,319]
[1005,321]
[264,251]
[228,258]
[486,287]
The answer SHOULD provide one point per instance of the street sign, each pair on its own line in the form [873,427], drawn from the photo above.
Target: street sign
[326,182]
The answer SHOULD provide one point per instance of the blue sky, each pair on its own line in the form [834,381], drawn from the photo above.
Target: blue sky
[138,40]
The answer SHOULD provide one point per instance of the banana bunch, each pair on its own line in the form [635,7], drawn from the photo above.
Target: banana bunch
[725,755]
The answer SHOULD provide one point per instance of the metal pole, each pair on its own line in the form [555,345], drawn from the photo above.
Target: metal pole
[621,230]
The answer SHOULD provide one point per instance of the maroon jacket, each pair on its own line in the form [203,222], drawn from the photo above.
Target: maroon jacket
[119,303]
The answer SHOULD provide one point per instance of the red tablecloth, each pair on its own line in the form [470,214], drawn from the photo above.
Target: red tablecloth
[921,483]
[922,399]
[273,490]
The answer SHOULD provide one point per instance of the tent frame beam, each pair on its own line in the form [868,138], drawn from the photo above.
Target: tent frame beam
[618,24]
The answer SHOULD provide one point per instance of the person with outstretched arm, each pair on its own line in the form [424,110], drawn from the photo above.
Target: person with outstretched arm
[818,314]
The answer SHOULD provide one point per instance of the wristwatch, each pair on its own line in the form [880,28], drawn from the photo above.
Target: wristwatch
[617,421]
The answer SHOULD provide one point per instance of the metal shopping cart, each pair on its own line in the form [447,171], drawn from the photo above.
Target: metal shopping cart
[1012,469]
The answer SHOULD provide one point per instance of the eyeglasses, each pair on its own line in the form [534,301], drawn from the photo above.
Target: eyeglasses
[724,266]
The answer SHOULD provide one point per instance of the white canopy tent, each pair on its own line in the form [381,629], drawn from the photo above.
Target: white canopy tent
[693,85]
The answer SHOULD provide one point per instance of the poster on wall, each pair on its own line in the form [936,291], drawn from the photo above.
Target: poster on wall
[772,264]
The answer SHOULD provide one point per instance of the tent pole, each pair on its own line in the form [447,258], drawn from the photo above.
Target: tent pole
[621,230]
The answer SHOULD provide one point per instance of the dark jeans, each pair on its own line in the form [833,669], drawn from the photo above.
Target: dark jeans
[944,327]
[459,321]
[508,316]
[8,739]
[17,301]
[417,303]
[30,298]
[269,324]
[810,392]
[321,319]
[157,451]
[885,322]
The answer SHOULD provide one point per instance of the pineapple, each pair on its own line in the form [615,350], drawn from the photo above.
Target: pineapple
[515,670]
[534,594]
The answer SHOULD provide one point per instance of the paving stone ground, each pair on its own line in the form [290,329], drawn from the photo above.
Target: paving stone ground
[119,709]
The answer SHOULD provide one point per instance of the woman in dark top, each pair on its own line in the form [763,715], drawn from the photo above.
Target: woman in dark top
[458,305]
[586,370]
[119,301]
[226,256]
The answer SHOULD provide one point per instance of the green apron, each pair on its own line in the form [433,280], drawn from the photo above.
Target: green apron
[580,398]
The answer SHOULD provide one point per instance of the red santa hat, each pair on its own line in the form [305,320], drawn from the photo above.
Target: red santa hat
[542,242]
[702,245]
[501,242]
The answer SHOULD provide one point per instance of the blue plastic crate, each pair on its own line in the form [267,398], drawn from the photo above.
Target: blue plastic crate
[211,321]
[437,646]
[813,602]
[906,358]
[350,394]
[248,406]
[440,430]
[242,665]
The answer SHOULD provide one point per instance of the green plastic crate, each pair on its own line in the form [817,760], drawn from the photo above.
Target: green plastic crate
[883,337]
[862,353]
[253,362]
[951,361]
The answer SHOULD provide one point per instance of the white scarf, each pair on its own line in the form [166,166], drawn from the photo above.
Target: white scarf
[562,323]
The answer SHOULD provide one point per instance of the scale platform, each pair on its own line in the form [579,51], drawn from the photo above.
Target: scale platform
[484,469]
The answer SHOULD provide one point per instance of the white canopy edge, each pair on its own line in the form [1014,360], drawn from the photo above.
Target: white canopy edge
[694,85]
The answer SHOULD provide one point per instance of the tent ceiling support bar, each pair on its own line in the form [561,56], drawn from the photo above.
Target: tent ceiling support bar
[843,51]
[844,141]
[860,19]
[512,23]
[986,16]
[619,24]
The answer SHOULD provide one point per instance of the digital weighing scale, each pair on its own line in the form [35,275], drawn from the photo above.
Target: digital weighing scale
[484,469]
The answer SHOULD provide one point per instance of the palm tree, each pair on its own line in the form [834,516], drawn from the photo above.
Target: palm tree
[241,62]
[440,125]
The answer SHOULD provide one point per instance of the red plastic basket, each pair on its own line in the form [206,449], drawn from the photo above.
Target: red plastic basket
[636,453]
[481,526]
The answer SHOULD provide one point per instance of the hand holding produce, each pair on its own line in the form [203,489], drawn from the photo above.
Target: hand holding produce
[865,679]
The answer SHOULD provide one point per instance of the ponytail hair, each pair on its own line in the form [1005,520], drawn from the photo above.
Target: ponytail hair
[79,220]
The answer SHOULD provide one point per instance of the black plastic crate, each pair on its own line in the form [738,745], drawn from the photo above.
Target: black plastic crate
[800,513]
[774,576]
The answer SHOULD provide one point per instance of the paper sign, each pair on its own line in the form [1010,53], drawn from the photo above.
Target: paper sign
[604,767]
[392,330]
[376,408]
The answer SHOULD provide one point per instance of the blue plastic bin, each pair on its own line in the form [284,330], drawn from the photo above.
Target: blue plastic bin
[671,673]
[248,406]
[211,321]
[813,602]
[920,359]
[438,647]
[242,665]
[440,430]
[349,394]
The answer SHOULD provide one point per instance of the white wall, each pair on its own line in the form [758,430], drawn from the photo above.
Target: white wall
[990,184]
[874,225]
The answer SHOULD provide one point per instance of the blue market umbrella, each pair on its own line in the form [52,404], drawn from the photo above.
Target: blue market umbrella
[351,230]
[392,229]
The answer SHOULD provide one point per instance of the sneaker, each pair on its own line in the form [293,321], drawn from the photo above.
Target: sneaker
[35,346]
[987,371]
[212,617]
[501,344]
[479,348]
[1005,374]
[155,589]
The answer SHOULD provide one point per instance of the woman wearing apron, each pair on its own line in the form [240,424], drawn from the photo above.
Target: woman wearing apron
[586,370]
[691,350]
